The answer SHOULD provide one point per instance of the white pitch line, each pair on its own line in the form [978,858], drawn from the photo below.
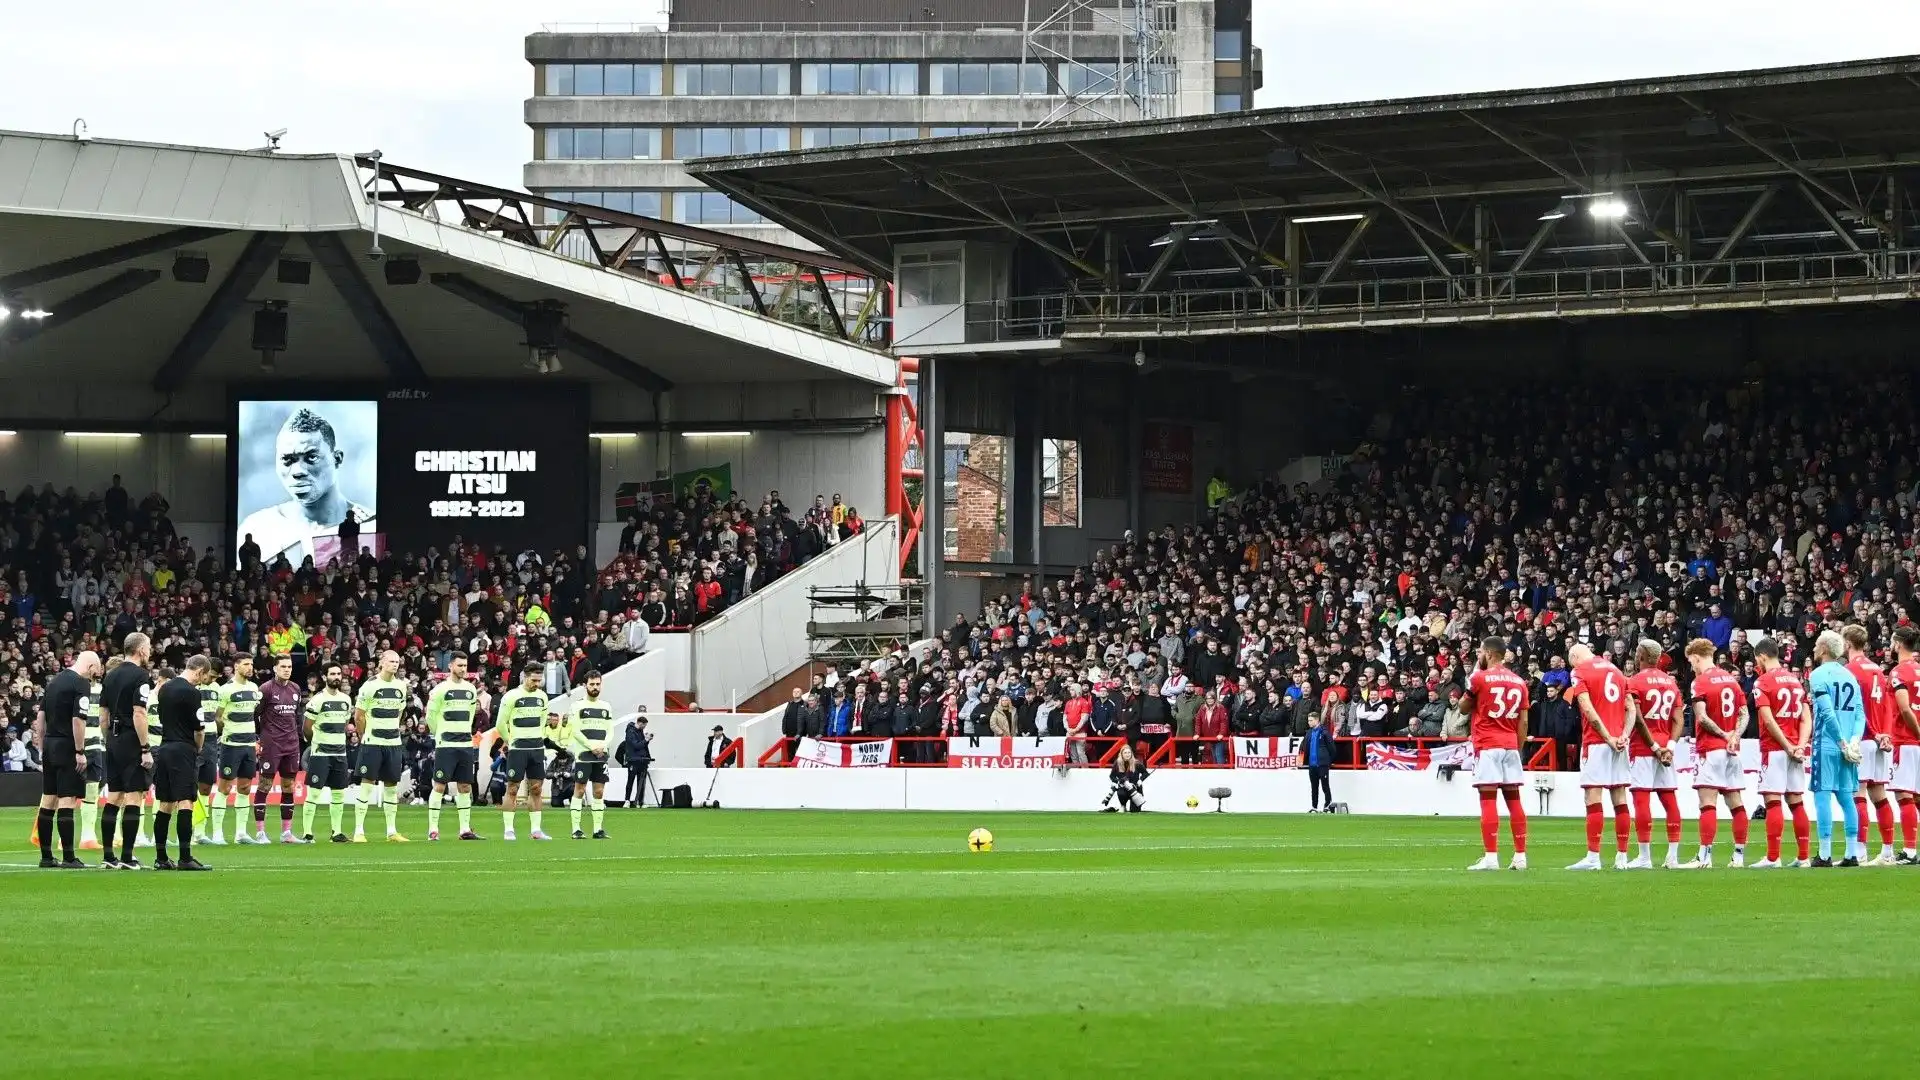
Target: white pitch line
[787,854]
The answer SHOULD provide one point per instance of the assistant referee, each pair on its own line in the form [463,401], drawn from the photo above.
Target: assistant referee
[60,729]
[123,707]
[176,764]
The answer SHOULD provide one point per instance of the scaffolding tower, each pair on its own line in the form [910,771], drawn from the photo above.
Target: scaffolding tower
[1090,86]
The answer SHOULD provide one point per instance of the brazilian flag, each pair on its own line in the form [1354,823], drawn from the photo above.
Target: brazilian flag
[715,481]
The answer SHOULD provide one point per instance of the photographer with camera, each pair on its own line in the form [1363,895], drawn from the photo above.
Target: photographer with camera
[1129,778]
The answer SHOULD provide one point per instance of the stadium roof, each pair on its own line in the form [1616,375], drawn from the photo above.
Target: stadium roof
[91,232]
[1423,160]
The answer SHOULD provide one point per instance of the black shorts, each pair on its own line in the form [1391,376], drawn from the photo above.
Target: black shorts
[176,768]
[238,763]
[590,771]
[526,765]
[379,764]
[61,776]
[279,763]
[327,771]
[455,764]
[125,774]
[96,766]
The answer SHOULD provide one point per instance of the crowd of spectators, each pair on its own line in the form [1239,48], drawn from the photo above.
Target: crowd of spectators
[81,572]
[1544,513]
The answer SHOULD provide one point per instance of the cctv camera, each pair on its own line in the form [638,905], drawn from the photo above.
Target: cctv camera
[276,134]
[1139,358]
[375,254]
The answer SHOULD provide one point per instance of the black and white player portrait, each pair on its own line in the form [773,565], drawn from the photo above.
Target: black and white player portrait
[303,467]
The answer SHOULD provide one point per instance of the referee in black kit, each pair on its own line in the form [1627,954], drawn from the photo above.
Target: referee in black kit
[123,708]
[62,736]
[176,764]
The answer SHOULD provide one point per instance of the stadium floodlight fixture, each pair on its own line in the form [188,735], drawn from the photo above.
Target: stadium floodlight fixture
[1608,209]
[1556,211]
[1318,218]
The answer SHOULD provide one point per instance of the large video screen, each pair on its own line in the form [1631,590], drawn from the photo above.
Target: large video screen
[501,465]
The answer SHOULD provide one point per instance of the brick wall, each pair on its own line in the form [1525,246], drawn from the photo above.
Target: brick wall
[979,513]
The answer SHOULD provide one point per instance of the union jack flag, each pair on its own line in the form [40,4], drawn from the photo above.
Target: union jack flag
[1395,758]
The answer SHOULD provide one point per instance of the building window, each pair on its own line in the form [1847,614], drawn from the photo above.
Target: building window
[1229,45]
[930,278]
[711,208]
[732,80]
[950,132]
[1226,103]
[602,144]
[695,142]
[1091,78]
[1060,483]
[897,79]
[1002,79]
[602,80]
[814,138]
[643,203]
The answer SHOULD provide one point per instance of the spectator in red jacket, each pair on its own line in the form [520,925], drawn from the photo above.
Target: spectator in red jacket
[705,592]
[1210,723]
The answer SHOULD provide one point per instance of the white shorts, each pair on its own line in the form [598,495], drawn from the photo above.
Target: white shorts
[1498,768]
[1647,774]
[1719,771]
[1876,765]
[1781,775]
[1601,766]
[1906,770]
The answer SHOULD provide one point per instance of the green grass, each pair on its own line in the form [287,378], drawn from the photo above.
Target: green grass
[795,944]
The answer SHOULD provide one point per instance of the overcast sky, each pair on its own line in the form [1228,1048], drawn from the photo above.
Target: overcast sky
[440,85]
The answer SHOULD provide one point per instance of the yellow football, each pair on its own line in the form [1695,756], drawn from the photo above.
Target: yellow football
[980,840]
[1192,801]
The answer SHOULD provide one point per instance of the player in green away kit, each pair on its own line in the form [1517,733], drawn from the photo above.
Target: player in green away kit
[239,757]
[521,719]
[328,714]
[209,770]
[456,762]
[588,728]
[383,700]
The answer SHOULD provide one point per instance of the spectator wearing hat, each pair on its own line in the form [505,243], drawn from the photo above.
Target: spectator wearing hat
[717,743]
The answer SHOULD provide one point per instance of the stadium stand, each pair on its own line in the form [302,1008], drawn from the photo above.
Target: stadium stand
[1544,511]
[81,572]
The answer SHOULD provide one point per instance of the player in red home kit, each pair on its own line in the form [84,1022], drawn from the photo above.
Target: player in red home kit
[1719,716]
[1652,697]
[1786,730]
[1498,700]
[1876,749]
[1906,738]
[1599,692]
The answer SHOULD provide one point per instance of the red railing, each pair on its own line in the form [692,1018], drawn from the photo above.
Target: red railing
[734,755]
[1350,752]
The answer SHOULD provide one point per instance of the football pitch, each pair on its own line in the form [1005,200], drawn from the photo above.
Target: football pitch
[812,944]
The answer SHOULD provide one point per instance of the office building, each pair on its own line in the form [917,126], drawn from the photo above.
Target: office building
[616,109]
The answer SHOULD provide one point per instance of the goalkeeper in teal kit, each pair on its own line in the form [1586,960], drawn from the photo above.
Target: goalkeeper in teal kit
[1839,720]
